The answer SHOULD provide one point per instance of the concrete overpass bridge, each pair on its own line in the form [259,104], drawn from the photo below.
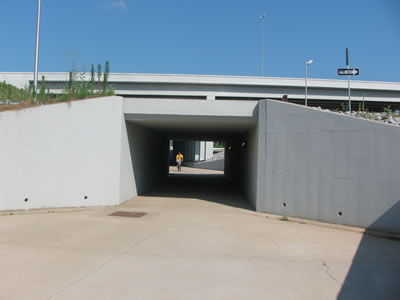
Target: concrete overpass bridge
[327,93]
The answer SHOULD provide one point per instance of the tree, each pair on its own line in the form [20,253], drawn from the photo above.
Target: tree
[106,74]
[70,82]
[92,80]
[99,76]
[42,93]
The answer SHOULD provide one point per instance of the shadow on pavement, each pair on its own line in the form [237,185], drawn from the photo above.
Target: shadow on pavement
[375,271]
[209,187]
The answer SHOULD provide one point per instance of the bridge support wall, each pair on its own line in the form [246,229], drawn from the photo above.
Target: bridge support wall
[328,167]
[295,161]
[61,155]
[146,160]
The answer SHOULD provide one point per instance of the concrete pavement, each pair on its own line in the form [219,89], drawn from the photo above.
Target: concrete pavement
[199,240]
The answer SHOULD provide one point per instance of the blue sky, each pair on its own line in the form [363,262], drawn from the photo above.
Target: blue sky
[221,37]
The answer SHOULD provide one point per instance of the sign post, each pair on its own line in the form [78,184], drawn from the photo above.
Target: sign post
[35,73]
[349,72]
[348,77]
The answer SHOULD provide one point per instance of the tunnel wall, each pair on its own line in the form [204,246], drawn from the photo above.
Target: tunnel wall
[328,167]
[241,162]
[55,155]
[127,182]
[149,160]
[249,164]
[231,159]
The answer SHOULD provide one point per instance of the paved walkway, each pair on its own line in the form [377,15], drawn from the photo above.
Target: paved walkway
[199,240]
[186,170]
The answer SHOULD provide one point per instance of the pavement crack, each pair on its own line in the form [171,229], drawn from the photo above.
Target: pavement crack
[327,268]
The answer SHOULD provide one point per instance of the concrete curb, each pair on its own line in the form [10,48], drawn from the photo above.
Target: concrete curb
[53,210]
[378,234]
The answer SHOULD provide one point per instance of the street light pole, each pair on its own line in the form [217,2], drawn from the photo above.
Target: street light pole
[262,43]
[35,75]
[307,63]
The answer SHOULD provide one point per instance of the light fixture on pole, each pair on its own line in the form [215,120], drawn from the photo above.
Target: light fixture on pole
[307,63]
[35,75]
[262,43]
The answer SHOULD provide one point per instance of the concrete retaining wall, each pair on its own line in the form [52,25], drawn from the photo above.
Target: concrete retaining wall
[328,167]
[249,164]
[231,157]
[241,162]
[60,155]
[217,165]
[296,161]
[149,158]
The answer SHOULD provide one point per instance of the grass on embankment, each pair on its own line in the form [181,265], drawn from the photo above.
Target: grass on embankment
[76,88]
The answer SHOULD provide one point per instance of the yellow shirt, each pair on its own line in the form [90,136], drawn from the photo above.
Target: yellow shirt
[179,157]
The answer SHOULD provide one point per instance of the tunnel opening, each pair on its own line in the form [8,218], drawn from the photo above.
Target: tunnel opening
[195,157]
[155,139]
[156,174]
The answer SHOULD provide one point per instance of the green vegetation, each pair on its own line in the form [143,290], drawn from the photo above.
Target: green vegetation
[43,96]
[106,74]
[12,93]
[344,107]
[387,113]
[92,80]
[219,144]
[284,218]
[77,87]
[99,77]
[361,107]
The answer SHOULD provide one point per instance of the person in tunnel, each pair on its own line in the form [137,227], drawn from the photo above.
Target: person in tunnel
[179,160]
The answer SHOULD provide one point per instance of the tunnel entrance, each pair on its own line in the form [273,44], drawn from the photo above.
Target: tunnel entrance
[158,129]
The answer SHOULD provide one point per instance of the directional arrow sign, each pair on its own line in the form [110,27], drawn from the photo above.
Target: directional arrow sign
[348,71]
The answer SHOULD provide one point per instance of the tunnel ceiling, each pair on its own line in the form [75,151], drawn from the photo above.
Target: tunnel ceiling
[189,127]
[192,118]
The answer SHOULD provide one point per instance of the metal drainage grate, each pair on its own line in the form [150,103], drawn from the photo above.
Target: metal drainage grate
[130,214]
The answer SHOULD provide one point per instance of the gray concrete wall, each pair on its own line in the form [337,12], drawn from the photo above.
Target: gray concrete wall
[231,159]
[217,165]
[241,162]
[149,157]
[80,153]
[128,187]
[249,165]
[55,155]
[328,167]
